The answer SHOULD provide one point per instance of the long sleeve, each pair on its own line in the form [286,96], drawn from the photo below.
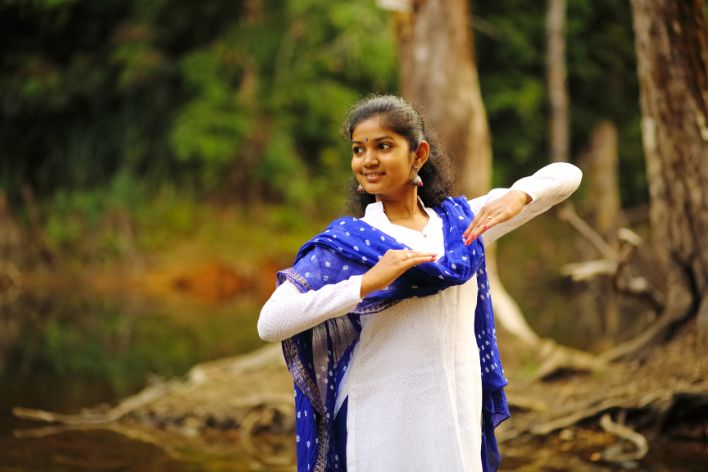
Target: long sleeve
[289,311]
[547,187]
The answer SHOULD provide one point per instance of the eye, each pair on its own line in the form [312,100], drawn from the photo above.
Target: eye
[357,149]
[385,146]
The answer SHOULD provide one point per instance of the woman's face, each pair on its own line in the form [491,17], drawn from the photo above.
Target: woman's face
[382,161]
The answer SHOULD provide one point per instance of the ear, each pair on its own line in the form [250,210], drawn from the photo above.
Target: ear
[422,153]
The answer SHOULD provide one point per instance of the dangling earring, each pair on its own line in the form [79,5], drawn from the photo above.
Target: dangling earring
[417,181]
[360,189]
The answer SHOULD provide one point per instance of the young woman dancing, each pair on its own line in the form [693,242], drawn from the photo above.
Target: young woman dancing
[386,319]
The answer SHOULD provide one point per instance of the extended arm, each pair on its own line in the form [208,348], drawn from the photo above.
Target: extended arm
[547,187]
[289,311]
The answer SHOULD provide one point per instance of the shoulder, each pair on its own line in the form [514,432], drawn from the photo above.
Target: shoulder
[329,238]
[454,205]
[341,221]
[451,201]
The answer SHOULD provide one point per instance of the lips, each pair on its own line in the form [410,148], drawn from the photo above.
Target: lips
[373,176]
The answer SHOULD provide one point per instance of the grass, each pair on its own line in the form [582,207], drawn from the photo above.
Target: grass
[106,226]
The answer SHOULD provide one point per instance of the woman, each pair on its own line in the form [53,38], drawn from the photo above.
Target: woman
[378,315]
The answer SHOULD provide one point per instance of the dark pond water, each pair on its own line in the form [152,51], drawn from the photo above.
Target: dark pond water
[63,352]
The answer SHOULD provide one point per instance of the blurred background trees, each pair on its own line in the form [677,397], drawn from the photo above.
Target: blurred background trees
[129,127]
[243,100]
[172,148]
[124,124]
[243,97]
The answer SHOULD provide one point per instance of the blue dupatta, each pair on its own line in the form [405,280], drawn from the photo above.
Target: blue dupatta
[318,358]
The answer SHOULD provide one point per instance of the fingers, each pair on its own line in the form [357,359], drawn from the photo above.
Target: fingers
[481,223]
[391,266]
[496,212]
[412,258]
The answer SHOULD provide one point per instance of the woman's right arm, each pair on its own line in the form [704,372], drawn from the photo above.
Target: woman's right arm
[289,311]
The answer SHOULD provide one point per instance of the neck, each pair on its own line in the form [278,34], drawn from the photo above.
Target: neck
[404,209]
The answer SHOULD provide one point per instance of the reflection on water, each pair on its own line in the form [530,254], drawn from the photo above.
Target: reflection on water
[62,353]
[85,450]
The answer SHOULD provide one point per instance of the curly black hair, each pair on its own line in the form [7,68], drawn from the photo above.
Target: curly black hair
[401,117]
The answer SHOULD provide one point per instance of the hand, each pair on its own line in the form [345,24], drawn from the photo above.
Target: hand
[495,212]
[391,266]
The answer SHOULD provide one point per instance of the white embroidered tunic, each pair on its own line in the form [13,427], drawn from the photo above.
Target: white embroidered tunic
[414,382]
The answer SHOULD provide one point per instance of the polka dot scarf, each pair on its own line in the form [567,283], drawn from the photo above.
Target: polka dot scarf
[318,358]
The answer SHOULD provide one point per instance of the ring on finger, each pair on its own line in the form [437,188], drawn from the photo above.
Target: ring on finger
[490,217]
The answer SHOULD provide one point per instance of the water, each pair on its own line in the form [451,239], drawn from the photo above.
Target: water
[63,352]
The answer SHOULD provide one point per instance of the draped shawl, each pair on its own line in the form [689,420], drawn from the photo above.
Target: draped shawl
[318,357]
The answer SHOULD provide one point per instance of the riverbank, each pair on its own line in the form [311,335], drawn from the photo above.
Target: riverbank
[245,403]
[205,257]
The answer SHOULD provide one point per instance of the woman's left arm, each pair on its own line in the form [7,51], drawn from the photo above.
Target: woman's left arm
[503,210]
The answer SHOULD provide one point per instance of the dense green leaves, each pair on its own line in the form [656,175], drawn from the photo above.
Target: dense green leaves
[246,98]
[510,45]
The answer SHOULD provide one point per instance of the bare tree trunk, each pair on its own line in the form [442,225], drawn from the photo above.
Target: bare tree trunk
[603,189]
[672,53]
[559,135]
[439,74]
[603,203]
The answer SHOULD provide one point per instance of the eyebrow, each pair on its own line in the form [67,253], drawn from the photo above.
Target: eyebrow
[374,140]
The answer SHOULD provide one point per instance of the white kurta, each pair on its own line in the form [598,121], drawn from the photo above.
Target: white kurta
[414,381]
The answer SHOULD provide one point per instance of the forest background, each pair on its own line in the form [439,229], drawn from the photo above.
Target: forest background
[127,127]
[153,107]
[173,146]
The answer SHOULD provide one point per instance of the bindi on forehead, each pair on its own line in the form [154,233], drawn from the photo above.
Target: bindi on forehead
[366,139]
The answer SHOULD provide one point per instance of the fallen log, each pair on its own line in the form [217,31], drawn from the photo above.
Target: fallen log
[615,454]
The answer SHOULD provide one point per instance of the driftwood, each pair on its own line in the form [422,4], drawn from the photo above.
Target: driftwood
[258,407]
[567,213]
[615,453]
[558,359]
[615,262]
[669,317]
[95,416]
[668,393]
[250,395]
[249,398]
[171,402]
[586,410]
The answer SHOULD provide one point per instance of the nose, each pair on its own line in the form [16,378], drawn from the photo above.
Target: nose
[370,158]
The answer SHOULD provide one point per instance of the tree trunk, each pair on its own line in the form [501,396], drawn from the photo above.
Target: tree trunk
[556,74]
[672,55]
[601,163]
[602,203]
[438,74]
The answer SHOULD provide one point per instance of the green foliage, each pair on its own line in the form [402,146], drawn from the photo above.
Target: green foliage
[122,344]
[240,98]
[245,99]
[125,215]
[510,45]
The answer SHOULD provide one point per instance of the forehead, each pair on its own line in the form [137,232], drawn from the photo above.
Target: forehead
[372,128]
